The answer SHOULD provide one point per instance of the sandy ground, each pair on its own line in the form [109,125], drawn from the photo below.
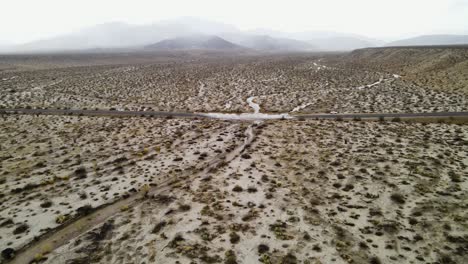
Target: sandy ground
[305,192]
[279,83]
[53,167]
[234,189]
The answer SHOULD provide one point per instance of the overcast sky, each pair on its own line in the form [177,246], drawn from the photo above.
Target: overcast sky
[27,20]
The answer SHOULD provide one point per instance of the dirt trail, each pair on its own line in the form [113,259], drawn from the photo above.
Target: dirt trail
[62,235]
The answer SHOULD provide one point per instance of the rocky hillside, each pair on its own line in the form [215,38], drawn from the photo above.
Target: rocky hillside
[441,68]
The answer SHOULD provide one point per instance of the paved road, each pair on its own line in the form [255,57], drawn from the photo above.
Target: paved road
[95,112]
[388,115]
[197,115]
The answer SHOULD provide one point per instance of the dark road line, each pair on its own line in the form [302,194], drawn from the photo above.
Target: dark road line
[96,112]
[25,111]
[385,115]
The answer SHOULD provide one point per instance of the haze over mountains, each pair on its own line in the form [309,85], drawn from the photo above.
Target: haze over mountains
[431,40]
[194,33]
[195,42]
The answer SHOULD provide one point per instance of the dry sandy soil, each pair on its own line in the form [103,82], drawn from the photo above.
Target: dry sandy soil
[53,168]
[210,83]
[302,192]
[441,68]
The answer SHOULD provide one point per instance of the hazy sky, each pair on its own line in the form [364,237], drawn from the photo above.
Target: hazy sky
[26,20]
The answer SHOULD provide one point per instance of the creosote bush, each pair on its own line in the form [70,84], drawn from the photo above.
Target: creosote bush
[397,198]
[234,238]
[237,188]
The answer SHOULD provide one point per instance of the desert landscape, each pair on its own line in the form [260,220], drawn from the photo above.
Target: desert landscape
[212,82]
[250,174]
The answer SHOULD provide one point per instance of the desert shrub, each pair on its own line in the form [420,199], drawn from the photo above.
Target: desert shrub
[119,160]
[7,222]
[317,248]
[262,248]
[184,207]
[246,156]
[46,204]
[454,177]
[60,219]
[85,210]
[40,164]
[164,199]
[348,187]
[80,173]
[8,253]
[374,260]
[252,189]
[250,215]
[27,187]
[230,257]
[20,229]
[176,240]
[83,195]
[234,238]
[289,259]
[279,229]
[397,198]
[237,188]
[158,227]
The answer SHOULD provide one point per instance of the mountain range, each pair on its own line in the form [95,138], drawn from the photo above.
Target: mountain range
[197,42]
[431,40]
[195,33]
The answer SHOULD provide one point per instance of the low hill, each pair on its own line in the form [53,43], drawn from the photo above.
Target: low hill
[431,40]
[199,42]
[442,68]
[324,40]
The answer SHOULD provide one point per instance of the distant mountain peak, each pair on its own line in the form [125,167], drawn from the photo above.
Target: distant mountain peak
[222,36]
[194,42]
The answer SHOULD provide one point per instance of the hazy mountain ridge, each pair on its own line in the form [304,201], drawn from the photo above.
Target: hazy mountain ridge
[195,42]
[430,40]
[122,35]
[268,43]
[342,43]
[324,40]
[118,35]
